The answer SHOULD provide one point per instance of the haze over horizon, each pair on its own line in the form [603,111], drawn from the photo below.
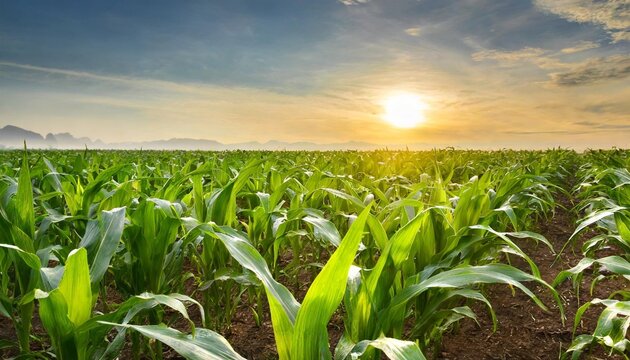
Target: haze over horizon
[515,73]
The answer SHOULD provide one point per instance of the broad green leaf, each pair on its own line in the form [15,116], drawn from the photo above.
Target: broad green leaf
[310,340]
[53,312]
[205,345]
[101,239]
[470,275]
[517,250]
[29,259]
[246,255]
[324,229]
[595,217]
[615,264]
[622,220]
[76,288]
[282,304]
[95,186]
[394,349]
[374,291]
[223,204]
[342,195]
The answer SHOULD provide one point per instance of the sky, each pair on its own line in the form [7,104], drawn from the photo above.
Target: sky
[492,73]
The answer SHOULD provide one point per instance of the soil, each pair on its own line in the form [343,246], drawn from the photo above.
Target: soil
[524,331]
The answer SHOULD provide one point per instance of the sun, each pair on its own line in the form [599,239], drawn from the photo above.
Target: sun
[404,110]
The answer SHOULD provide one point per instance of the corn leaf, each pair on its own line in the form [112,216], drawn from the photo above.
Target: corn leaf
[310,338]
[394,349]
[101,239]
[205,345]
[75,287]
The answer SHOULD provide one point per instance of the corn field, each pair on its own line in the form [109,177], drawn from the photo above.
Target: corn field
[154,254]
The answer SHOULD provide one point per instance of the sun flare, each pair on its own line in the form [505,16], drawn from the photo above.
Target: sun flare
[404,110]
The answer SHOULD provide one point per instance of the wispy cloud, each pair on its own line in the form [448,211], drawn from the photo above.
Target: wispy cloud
[607,107]
[548,132]
[612,15]
[596,70]
[508,56]
[593,70]
[413,31]
[353,2]
[537,56]
[129,81]
[603,126]
[579,47]
[140,82]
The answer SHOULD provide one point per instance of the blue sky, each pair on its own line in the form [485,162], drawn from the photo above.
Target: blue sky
[526,73]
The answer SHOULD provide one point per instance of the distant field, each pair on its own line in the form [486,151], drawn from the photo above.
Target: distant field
[314,255]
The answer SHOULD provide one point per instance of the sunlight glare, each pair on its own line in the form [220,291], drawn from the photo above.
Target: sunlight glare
[404,110]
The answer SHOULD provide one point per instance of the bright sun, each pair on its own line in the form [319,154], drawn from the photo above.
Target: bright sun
[404,110]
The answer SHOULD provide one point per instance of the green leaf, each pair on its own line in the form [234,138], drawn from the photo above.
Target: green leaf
[394,349]
[246,255]
[24,200]
[53,312]
[342,195]
[374,291]
[205,345]
[94,187]
[282,304]
[75,287]
[29,259]
[515,249]
[470,275]
[310,338]
[223,204]
[324,229]
[623,226]
[595,217]
[615,264]
[101,239]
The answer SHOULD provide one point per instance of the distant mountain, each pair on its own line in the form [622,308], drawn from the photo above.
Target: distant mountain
[12,137]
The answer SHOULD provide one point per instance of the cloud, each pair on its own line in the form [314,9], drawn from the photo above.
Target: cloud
[621,36]
[548,132]
[580,46]
[612,15]
[353,2]
[508,56]
[129,81]
[537,56]
[594,71]
[608,107]
[603,127]
[413,31]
